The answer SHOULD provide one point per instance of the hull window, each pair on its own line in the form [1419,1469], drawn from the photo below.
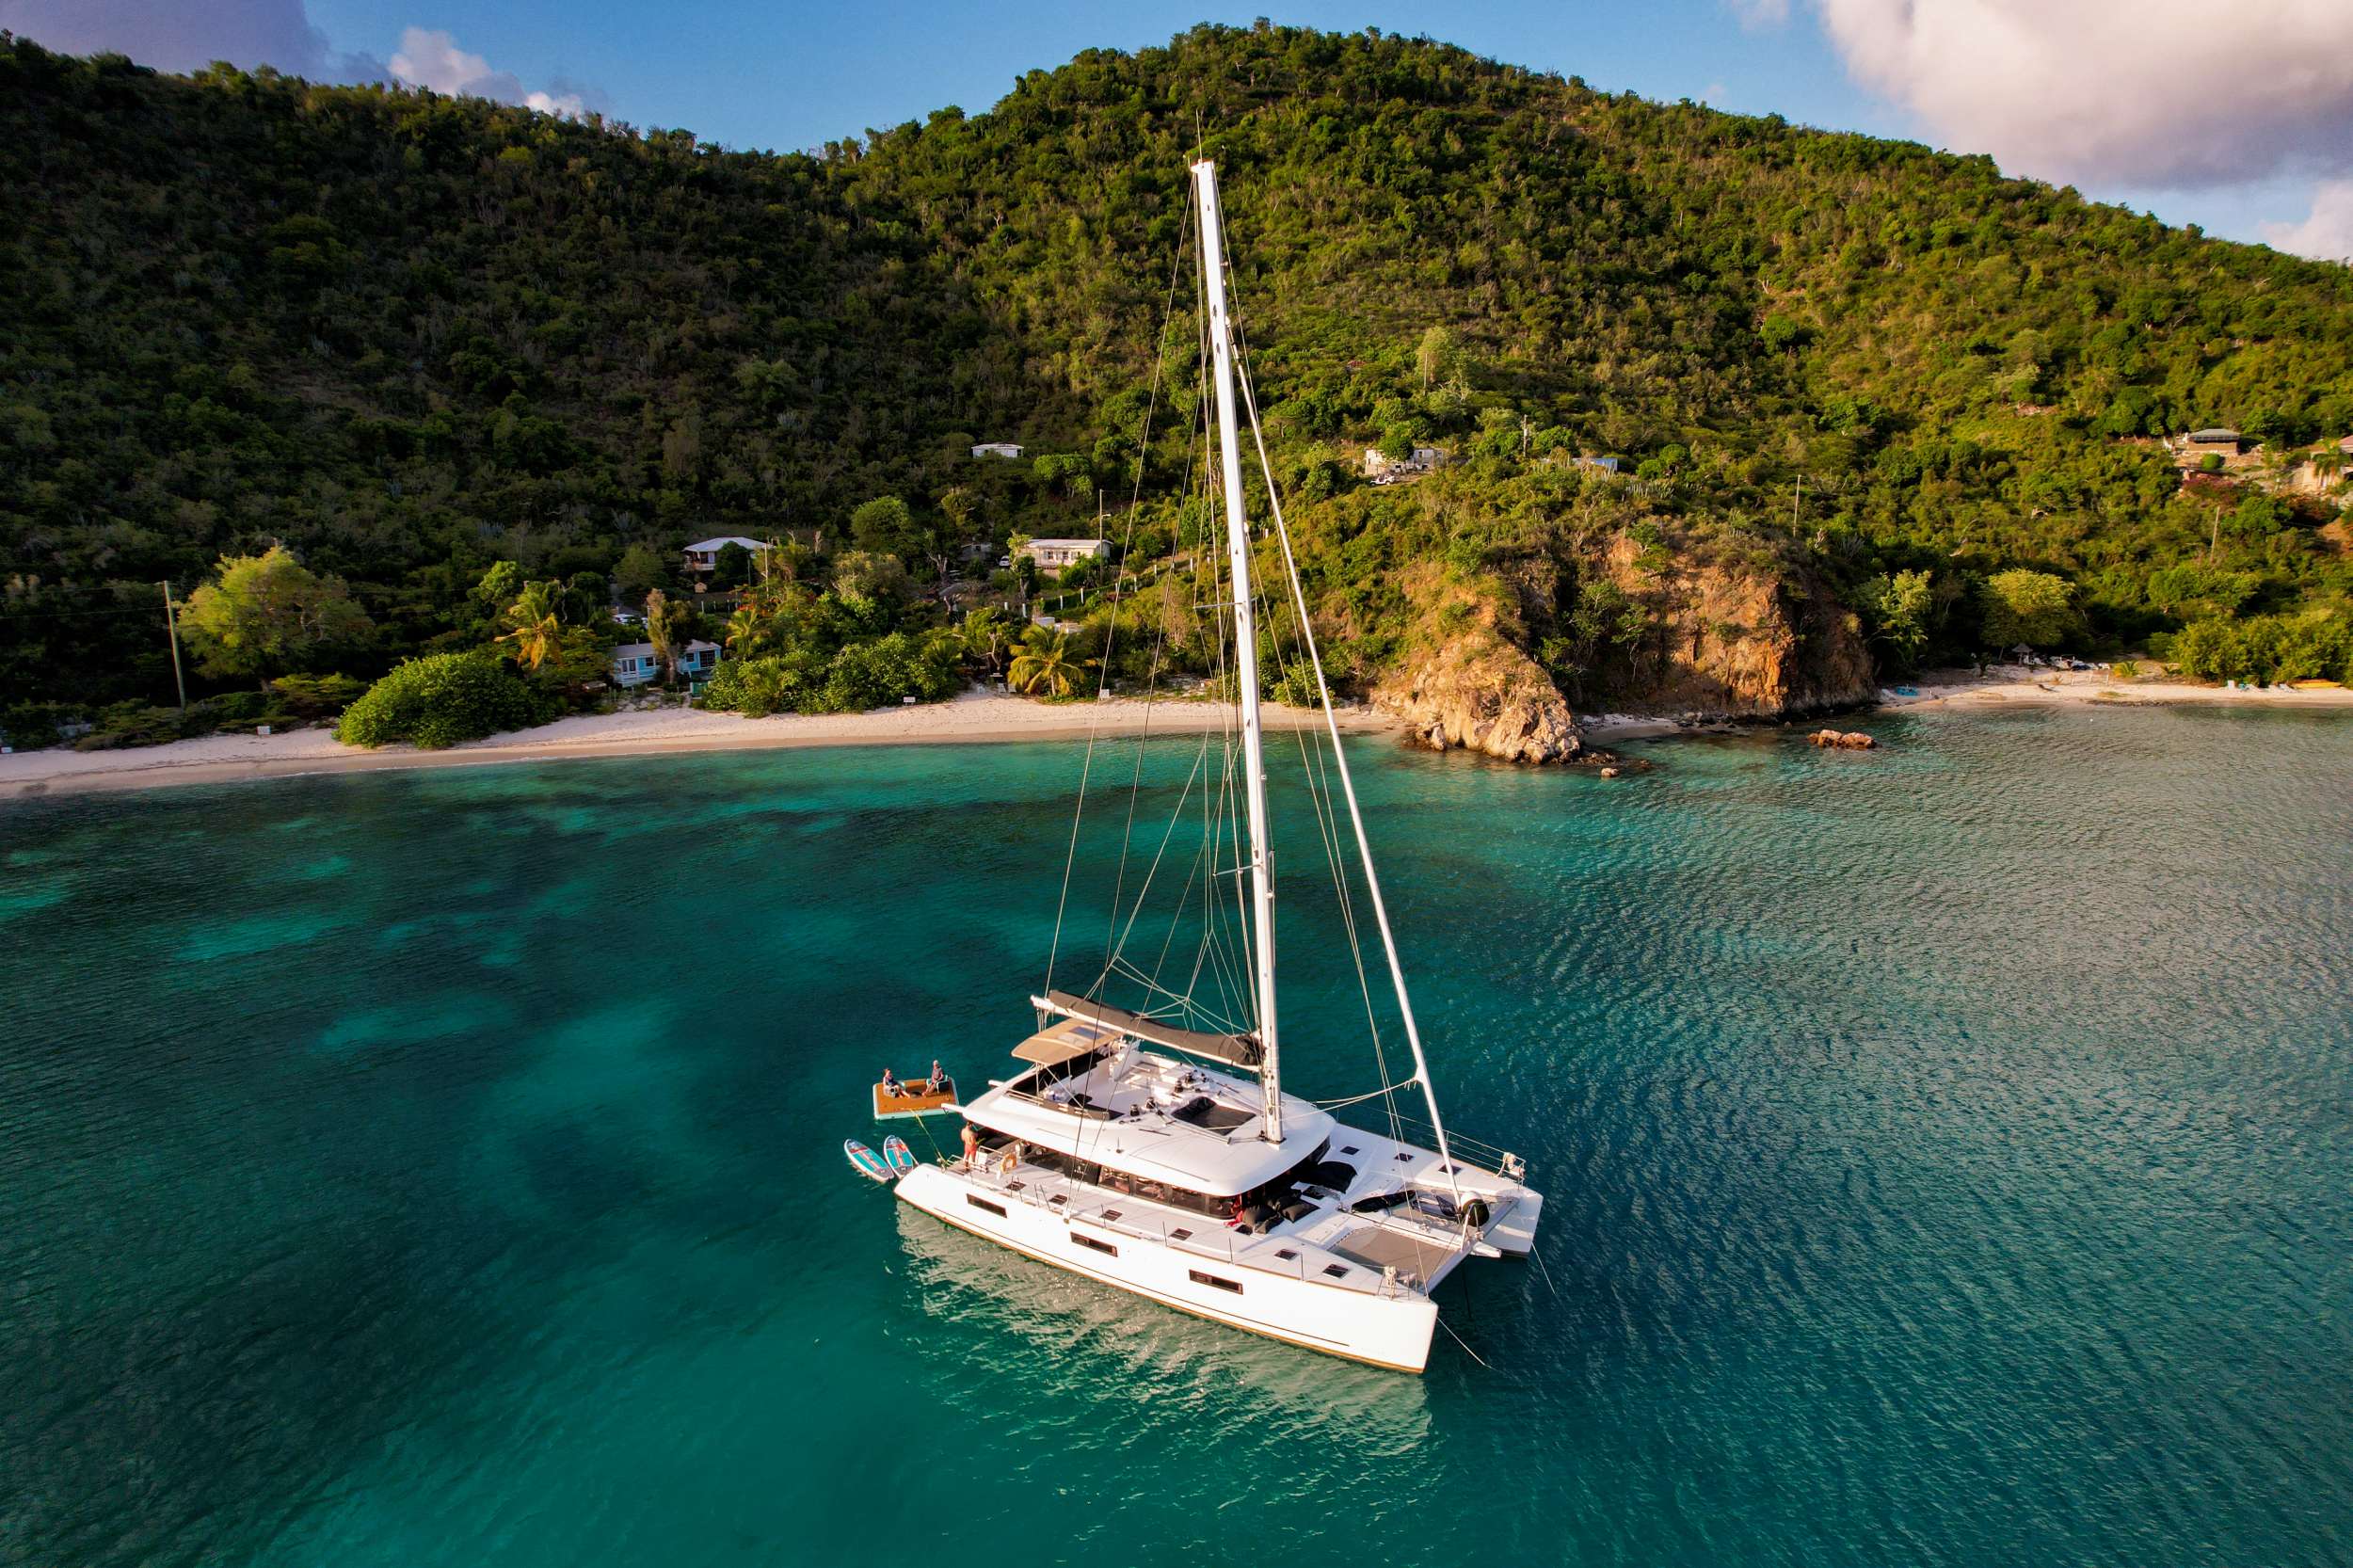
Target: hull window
[995,1208]
[1093,1245]
[1200,1278]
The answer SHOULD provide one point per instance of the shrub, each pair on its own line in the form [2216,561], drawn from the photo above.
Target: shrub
[1295,686]
[136,724]
[771,684]
[316,696]
[880,673]
[31,726]
[2267,649]
[439,700]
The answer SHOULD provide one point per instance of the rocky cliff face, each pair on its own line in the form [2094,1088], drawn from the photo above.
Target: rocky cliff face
[1482,694]
[1467,681]
[1742,640]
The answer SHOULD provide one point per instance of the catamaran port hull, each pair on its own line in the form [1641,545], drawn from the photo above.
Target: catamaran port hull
[1392,1331]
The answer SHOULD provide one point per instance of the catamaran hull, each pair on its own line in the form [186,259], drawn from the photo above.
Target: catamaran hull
[1393,1331]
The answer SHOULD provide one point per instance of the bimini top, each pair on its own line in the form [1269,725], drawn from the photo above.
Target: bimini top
[1066,1041]
[1235,1051]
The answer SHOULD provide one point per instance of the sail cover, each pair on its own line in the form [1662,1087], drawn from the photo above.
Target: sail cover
[1237,1051]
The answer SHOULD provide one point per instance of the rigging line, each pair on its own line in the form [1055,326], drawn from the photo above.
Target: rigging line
[1177,1002]
[1223,966]
[1201,856]
[1458,1339]
[1160,649]
[924,1122]
[1210,952]
[1348,785]
[1135,505]
[1114,938]
[1136,911]
[1320,804]
[1369,1093]
[1237,764]
[1218,810]
[1103,674]
[1537,1252]
[1319,788]
[1184,898]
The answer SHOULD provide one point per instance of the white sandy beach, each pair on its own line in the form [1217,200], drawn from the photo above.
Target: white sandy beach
[974,717]
[2008,685]
[2012,685]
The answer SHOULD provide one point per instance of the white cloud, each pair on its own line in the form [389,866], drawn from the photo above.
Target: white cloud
[175,35]
[2328,233]
[2156,93]
[1754,14]
[188,35]
[433,59]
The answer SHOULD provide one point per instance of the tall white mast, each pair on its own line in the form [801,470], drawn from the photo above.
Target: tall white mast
[1245,638]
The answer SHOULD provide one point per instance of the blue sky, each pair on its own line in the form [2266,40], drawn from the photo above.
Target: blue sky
[2246,128]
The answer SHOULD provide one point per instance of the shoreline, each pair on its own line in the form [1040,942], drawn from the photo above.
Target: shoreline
[975,718]
[988,718]
[1965,691]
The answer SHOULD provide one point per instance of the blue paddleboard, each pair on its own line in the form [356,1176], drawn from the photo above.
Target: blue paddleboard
[896,1154]
[865,1160]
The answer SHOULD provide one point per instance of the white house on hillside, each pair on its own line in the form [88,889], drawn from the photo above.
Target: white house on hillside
[635,664]
[997,449]
[1382,470]
[704,555]
[1054,555]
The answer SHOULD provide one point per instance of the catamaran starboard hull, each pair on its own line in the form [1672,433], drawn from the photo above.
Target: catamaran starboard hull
[1392,1331]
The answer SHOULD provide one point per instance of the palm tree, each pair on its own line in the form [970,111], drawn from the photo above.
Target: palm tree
[984,638]
[746,628]
[1044,664]
[537,616]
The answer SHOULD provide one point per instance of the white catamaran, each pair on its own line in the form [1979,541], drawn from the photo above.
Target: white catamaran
[1166,1160]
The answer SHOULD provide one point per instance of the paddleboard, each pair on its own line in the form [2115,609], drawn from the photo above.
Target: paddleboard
[896,1155]
[865,1160]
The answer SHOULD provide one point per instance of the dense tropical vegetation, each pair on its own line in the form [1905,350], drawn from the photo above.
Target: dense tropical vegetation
[324,357]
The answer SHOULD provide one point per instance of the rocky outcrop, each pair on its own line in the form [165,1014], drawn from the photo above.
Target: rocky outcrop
[1742,639]
[1745,636]
[1479,693]
[1843,740]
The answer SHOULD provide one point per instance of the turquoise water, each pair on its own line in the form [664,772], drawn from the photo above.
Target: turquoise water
[1949,1154]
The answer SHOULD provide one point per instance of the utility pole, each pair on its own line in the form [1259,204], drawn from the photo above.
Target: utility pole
[171,631]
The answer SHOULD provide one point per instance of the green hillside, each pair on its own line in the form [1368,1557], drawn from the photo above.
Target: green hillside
[410,337]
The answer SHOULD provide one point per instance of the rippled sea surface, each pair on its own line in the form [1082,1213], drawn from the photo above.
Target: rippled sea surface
[1949,1153]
